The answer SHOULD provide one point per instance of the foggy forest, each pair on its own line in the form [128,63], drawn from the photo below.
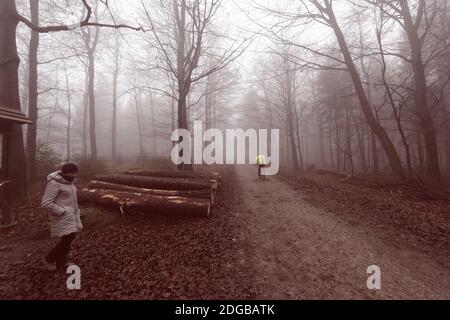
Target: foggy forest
[359,91]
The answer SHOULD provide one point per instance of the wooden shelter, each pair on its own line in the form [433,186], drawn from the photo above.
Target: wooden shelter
[8,117]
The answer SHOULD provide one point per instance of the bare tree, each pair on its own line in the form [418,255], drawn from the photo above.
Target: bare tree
[417,27]
[182,38]
[9,82]
[323,12]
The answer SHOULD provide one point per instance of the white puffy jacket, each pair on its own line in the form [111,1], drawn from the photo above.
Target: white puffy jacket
[60,198]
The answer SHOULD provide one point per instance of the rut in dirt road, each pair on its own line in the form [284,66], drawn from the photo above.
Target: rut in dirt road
[302,252]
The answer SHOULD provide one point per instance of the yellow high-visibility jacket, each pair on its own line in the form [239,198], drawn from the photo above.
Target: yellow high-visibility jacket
[260,160]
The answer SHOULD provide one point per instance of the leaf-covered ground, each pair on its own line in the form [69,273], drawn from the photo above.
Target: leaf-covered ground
[299,235]
[133,256]
[405,215]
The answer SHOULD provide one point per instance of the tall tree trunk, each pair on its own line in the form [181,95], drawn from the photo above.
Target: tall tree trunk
[172,104]
[375,160]
[288,153]
[153,123]
[338,145]
[181,77]
[330,140]
[91,45]
[289,106]
[69,114]
[349,138]
[84,137]
[137,101]
[373,137]
[9,96]
[214,114]
[91,94]
[363,148]
[33,93]
[114,123]
[297,132]
[360,131]
[321,141]
[183,82]
[293,147]
[320,125]
[268,116]
[172,101]
[420,150]
[421,94]
[388,146]
[361,141]
[53,112]
[114,104]
[447,135]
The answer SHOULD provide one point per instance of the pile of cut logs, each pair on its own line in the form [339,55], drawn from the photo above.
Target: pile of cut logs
[154,191]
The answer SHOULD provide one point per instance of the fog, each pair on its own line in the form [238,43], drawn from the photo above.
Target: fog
[259,64]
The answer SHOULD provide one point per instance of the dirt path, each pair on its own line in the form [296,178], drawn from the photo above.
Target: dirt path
[301,252]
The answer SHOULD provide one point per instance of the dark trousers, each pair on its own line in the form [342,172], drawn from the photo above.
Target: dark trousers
[59,253]
[260,171]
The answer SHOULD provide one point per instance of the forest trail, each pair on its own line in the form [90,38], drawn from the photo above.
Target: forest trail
[302,252]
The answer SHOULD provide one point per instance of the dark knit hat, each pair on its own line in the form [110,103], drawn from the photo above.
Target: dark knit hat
[69,168]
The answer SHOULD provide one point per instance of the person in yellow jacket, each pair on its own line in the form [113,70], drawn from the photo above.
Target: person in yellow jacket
[261,163]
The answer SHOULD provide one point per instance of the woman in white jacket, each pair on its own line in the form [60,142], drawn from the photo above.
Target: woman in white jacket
[60,198]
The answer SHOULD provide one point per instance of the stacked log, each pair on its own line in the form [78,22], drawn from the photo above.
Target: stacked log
[158,182]
[154,191]
[165,173]
[202,194]
[126,201]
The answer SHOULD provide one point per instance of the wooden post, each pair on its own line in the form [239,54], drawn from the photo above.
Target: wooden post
[6,219]
[2,154]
